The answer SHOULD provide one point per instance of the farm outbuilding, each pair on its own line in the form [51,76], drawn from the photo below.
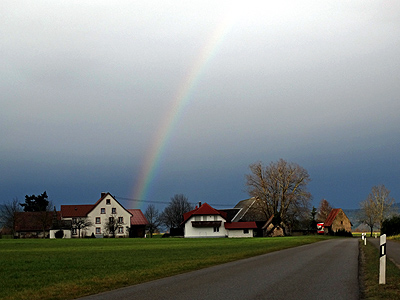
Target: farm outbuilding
[337,220]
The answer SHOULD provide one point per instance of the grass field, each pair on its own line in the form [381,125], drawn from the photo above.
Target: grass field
[370,266]
[69,268]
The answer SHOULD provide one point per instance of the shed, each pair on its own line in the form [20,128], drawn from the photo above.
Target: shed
[337,220]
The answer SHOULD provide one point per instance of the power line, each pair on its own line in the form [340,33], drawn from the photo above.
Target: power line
[165,202]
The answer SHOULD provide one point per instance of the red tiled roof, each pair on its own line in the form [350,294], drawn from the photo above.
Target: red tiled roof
[331,217]
[73,211]
[138,217]
[204,209]
[33,221]
[241,225]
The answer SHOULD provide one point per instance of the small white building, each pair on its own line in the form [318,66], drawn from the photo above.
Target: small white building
[205,221]
[106,208]
[66,233]
[240,229]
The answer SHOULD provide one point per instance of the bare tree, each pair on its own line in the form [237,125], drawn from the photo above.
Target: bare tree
[153,216]
[172,216]
[81,224]
[381,203]
[280,188]
[9,216]
[113,223]
[324,210]
[368,214]
[45,217]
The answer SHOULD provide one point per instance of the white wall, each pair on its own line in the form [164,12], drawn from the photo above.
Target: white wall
[120,212]
[67,233]
[198,232]
[239,233]
[96,212]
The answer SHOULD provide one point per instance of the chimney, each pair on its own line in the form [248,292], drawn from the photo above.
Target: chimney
[199,204]
[102,194]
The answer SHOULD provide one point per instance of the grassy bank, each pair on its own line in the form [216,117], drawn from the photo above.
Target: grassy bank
[370,266]
[64,269]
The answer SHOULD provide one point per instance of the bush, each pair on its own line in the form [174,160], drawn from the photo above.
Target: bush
[343,232]
[391,226]
[59,234]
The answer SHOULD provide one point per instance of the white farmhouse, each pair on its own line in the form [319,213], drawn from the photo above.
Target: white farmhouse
[106,209]
[205,221]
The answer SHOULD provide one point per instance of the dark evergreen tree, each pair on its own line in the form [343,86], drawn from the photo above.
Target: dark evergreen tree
[36,203]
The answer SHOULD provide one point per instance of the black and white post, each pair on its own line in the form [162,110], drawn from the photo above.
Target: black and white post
[382,259]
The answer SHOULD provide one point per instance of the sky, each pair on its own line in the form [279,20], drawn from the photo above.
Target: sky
[148,99]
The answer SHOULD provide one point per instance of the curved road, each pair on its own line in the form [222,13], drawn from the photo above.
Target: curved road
[323,270]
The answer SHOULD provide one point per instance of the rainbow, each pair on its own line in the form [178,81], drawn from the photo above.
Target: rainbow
[182,98]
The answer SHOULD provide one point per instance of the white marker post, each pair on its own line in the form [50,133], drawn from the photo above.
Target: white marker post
[382,259]
[364,238]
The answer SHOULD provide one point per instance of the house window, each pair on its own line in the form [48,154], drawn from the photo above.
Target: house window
[97,220]
[114,210]
[204,218]
[197,218]
[120,219]
[215,218]
[73,220]
[245,231]
[341,222]
[108,201]
[74,231]
[120,229]
[98,230]
[111,219]
[216,229]
[103,210]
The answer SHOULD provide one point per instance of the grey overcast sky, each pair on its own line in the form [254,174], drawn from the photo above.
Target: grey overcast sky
[86,87]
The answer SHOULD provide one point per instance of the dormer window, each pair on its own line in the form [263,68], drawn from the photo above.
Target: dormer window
[108,201]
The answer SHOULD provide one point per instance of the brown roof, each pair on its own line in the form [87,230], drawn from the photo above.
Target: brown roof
[241,225]
[250,210]
[74,211]
[138,217]
[33,221]
[331,217]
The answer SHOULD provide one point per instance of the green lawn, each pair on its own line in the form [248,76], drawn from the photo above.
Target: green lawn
[370,266]
[68,268]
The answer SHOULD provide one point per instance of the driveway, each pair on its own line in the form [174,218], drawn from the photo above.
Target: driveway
[323,270]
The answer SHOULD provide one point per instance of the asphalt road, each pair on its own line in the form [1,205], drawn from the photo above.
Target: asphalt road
[392,249]
[323,270]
